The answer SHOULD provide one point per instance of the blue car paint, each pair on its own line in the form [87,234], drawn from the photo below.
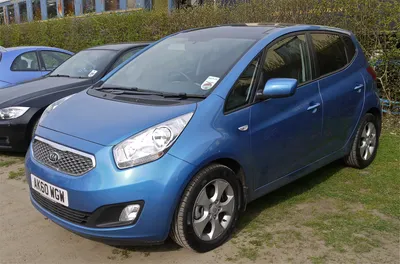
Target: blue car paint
[8,55]
[161,183]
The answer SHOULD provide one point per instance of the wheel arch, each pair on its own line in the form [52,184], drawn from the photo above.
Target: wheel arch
[32,121]
[239,171]
[378,114]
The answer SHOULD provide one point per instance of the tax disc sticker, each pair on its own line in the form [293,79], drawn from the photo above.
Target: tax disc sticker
[209,83]
[92,73]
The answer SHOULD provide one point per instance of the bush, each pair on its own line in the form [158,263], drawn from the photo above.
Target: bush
[375,22]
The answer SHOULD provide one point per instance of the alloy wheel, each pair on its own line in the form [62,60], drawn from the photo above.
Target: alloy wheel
[368,141]
[213,210]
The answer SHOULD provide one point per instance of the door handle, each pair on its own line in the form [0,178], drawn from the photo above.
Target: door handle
[358,87]
[243,128]
[313,107]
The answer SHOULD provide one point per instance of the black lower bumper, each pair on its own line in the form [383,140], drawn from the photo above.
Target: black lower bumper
[14,135]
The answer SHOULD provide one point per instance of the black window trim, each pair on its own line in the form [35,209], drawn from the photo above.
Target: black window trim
[37,57]
[262,55]
[42,60]
[314,56]
[313,59]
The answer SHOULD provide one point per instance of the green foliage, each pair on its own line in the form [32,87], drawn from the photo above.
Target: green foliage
[375,22]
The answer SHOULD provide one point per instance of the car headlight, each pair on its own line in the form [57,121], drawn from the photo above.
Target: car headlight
[151,144]
[52,107]
[12,112]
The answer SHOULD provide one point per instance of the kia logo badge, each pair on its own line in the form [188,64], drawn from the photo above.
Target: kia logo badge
[54,157]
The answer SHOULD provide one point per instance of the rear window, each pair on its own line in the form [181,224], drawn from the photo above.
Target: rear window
[330,51]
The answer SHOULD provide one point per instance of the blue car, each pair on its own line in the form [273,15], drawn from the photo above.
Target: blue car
[180,138]
[21,64]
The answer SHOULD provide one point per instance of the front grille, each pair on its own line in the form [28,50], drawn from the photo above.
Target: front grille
[67,160]
[62,211]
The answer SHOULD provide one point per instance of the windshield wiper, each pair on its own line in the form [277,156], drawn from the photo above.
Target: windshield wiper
[60,75]
[137,91]
[67,76]
[184,96]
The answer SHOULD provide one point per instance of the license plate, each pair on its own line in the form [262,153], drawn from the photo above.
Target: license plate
[51,192]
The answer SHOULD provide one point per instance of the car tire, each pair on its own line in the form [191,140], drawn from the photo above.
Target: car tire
[200,215]
[365,144]
[34,127]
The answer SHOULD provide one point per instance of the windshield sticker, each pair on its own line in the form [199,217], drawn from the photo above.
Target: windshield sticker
[92,73]
[209,83]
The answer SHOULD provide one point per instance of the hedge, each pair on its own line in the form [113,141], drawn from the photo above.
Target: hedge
[375,22]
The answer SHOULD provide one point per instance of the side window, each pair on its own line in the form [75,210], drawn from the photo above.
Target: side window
[26,62]
[241,91]
[124,57]
[330,51]
[350,48]
[53,59]
[288,58]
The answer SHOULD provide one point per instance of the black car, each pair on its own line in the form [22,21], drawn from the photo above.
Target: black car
[22,105]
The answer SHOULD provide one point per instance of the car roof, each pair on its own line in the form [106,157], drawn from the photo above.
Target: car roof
[121,46]
[27,48]
[255,30]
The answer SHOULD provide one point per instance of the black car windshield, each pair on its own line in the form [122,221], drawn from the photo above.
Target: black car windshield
[185,63]
[85,64]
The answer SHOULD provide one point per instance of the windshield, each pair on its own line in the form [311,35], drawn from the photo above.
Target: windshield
[186,63]
[85,64]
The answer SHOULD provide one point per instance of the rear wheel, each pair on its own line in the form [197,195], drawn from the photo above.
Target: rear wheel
[365,144]
[207,213]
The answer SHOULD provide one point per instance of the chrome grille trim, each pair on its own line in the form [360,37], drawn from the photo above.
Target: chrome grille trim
[63,149]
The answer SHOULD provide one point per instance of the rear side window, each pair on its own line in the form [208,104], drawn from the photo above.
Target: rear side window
[26,62]
[53,59]
[350,47]
[330,52]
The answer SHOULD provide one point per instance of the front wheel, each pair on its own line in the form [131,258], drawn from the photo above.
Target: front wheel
[365,144]
[208,210]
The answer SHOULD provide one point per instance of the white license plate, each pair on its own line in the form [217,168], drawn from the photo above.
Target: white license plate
[51,192]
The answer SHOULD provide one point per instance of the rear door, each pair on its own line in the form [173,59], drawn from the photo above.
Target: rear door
[25,67]
[286,132]
[342,87]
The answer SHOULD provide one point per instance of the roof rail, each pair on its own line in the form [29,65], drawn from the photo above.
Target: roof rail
[2,49]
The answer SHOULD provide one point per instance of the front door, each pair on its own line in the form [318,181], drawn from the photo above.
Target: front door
[286,132]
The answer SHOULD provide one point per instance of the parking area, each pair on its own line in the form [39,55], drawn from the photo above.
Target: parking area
[335,215]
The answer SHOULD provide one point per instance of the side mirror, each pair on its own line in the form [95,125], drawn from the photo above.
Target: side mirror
[278,88]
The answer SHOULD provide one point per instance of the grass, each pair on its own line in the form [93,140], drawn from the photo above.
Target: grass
[7,163]
[16,175]
[349,210]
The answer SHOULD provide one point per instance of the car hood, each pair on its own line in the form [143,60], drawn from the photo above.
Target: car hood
[18,94]
[108,122]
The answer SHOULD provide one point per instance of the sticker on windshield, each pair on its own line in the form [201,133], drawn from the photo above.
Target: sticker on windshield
[209,83]
[92,73]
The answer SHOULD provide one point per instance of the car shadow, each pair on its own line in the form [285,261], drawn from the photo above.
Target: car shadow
[13,154]
[286,192]
[255,207]
[168,246]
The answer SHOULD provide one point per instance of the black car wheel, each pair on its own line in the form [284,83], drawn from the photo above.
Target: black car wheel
[207,213]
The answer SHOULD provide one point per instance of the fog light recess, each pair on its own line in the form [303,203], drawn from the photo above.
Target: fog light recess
[129,213]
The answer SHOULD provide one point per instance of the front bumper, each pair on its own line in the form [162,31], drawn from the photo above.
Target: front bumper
[158,184]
